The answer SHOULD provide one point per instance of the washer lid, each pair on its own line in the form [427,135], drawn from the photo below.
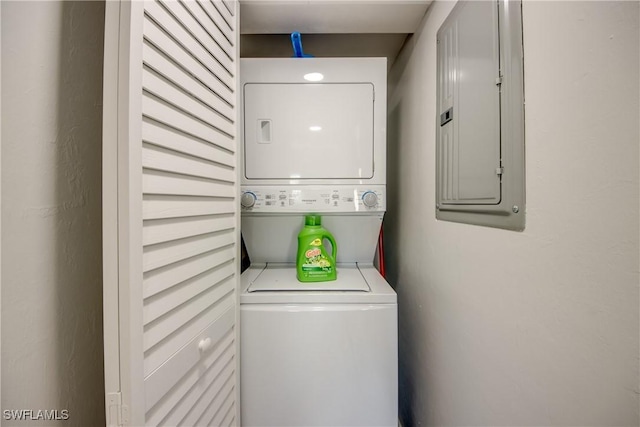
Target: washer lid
[282,277]
[367,287]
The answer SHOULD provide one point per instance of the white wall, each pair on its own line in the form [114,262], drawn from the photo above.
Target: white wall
[539,327]
[51,209]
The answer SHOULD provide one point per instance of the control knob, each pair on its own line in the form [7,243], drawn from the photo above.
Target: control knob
[370,199]
[248,199]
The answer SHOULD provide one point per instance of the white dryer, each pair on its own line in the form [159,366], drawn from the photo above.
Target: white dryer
[320,353]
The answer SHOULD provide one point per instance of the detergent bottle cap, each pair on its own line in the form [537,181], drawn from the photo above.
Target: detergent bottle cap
[312,220]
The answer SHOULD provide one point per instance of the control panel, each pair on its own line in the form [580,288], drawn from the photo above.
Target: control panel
[313,198]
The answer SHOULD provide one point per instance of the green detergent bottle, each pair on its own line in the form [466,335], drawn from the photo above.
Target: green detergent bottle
[314,264]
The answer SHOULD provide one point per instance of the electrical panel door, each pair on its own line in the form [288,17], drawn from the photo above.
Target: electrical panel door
[480,165]
[469,106]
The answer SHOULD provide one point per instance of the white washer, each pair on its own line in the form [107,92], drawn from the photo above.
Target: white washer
[314,141]
[318,354]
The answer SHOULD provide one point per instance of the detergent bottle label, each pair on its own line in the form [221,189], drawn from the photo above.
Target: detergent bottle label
[316,261]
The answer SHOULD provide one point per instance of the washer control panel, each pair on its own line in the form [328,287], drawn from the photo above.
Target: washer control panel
[313,198]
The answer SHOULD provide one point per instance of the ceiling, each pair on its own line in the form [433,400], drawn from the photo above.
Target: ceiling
[331,16]
[330,28]
[323,45]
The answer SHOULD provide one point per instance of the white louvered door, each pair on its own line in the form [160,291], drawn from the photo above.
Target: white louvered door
[171,222]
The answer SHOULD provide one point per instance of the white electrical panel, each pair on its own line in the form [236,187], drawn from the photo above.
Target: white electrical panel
[480,115]
[469,106]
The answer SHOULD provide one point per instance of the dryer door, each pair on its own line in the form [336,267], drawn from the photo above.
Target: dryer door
[308,131]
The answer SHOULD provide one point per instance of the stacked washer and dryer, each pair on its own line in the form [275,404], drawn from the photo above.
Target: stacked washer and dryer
[314,141]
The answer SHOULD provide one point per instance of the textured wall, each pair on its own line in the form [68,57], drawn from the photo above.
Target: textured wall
[539,327]
[51,209]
